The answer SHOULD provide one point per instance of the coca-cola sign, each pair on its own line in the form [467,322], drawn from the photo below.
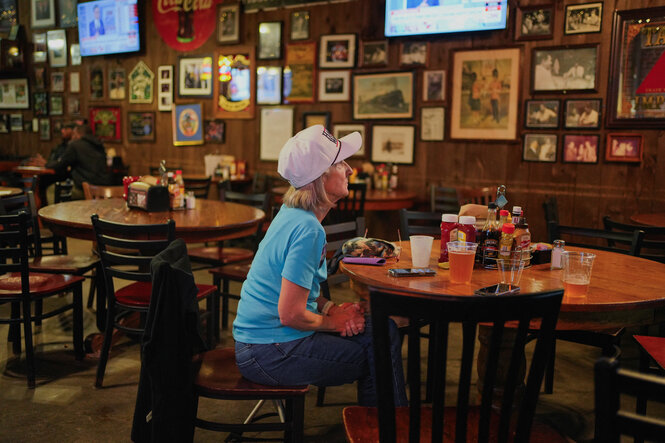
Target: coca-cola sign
[184,24]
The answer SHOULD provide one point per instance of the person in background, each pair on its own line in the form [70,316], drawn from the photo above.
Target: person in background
[286,333]
[96,26]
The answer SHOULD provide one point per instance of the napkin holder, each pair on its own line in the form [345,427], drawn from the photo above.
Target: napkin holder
[149,198]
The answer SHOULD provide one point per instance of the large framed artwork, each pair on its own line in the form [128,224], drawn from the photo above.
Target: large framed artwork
[300,72]
[479,115]
[235,83]
[636,91]
[14,93]
[276,129]
[387,95]
[42,13]
[195,76]
[393,144]
[187,124]
[106,123]
[564,69]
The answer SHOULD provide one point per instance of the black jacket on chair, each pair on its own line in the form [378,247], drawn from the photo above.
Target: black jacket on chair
[165,403]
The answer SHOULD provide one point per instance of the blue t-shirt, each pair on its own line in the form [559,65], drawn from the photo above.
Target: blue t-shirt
[293,248]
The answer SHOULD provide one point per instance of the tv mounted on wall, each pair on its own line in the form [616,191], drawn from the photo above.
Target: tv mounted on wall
[109,27]
[422,17]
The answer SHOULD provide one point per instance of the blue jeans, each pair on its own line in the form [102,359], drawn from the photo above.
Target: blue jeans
[323,359]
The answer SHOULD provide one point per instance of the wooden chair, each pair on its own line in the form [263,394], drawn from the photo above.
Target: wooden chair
[443,200]
[126,252]
[419,223]
[613,384]
[199,186]
[261,183]
[510,318]
[94,192]
[63,191]
[477,196]
[349,208]
[653,243]
[21,288]
[652,349]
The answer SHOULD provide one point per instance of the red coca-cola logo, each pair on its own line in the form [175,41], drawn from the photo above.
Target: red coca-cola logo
[185,24]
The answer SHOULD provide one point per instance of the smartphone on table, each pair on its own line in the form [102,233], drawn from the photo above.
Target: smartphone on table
[499,289]
[411,272]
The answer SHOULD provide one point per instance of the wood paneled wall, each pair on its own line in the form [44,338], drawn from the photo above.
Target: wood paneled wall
[585,192]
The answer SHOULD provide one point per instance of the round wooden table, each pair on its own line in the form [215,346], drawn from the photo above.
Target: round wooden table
[211,220]
[656,219]
[376,200]
[8,192]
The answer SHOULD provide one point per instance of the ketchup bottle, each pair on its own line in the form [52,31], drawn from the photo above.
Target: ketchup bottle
[466,229]
[448,233]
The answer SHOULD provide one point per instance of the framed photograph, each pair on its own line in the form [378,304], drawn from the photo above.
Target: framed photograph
[44,129]
[485,110]
[374,53]
[106,123]
[40,104]
[635,91]
[413,54]
[342,129]
[73,105]
[9,16]
[40,51]
[315,118]
[228,24]
[564,69]
[68,14]
[539,148]
[141,126]
[584,18]
[57,48]
[583,113]
[334,86]
[431,123]
[299,25]
[337,51]
[117,80]
[16,122]
[165,88]
[580,148]
[56,125]
[57,82]
[187,124]
[74,82]
[534,22]
[276,129]
[270,41]
[56,104]
[235,83]
[541,114]
[42,13]
[141,84]
[269,85]
[393,144]
[620,148]
[96,82]
[14,93]
[434,86]
[75,54]
[387,95]
[214,131]
[40,79]
[300,72]
[195,76]
[4,124]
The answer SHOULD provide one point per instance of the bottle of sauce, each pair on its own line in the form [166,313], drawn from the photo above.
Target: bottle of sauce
[489,238]
[522,241]
[504,217]
[506,242]
[448,233]
[181,186]
[517,213]
[466,229]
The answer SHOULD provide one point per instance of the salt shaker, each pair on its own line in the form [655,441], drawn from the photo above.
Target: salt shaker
[557,250]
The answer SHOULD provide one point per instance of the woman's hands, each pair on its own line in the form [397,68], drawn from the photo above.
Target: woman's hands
[348,319]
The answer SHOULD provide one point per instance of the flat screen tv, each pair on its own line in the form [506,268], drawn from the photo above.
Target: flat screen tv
[422,17]
[108,27]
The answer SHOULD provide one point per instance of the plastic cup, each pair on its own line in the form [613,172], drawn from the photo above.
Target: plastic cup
[462,256]
[510,271]
[576,272]
[421,249]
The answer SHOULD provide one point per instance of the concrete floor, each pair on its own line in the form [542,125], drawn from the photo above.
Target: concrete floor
[65,406]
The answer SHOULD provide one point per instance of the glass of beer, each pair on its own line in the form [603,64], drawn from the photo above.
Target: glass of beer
[576,272]
[461,255]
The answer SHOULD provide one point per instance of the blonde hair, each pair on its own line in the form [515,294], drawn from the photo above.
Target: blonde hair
[311,197]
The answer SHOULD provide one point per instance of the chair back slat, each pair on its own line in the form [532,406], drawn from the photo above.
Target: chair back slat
[63,191]
[653,242]
[478,196]
[350,207]
[100,192]
[443,200]
[622,242]
[199,186]
[261,200]
[14,246]
[419,223]
[25,203]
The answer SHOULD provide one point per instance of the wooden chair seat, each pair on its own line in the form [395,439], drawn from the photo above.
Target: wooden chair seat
[66,264]
[654,346]
[40,284]
[138,293]
[362,425]
[216,255]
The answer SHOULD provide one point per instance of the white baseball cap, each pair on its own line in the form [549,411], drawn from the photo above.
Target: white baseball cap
[308,154]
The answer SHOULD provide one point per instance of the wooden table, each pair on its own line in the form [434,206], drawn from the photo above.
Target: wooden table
[8,192]
[376,200]
[656,219]
[30,171]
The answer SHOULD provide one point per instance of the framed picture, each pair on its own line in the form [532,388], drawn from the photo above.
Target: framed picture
[165,88]
[300,72]
[74,82]
[117,80]
[541,113]
[374,53]
[73,105]
[44,129]
[40,51]
[534,22]
[14,93]
[57,48]
[414,53]
[228,24]
[16,122]
[334,86]
[195,76]
[56,104]
[583,113]
[141,126]
[315,118]
[337,51]
[235,83]
[106,123]
[564,69]
[269,85]
[299,25]
[342,129]
[621,148]
[40,103]
[56,125]
[9,16]
[214,131]
[57,82]
[276,129]
[4,124]
[584,18]
[270,41]
[580,148]
[479,115]
[393,144]
[68,14]
[431,123]
[40,79]
[635,91]
[75,54]
[96,82]
[42,13]
[434,85]
[539,148]
[141,84]
[383,96]
[187,124]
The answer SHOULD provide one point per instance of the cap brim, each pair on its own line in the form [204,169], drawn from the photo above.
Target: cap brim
[351,143]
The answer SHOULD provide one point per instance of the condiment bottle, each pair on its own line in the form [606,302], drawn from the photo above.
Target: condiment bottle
[522,241]
[392,180]
[504,217]
[557,250]
[466,229]
[489,238]
[174,191]
[517,213]
[448,233]
[506,242]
